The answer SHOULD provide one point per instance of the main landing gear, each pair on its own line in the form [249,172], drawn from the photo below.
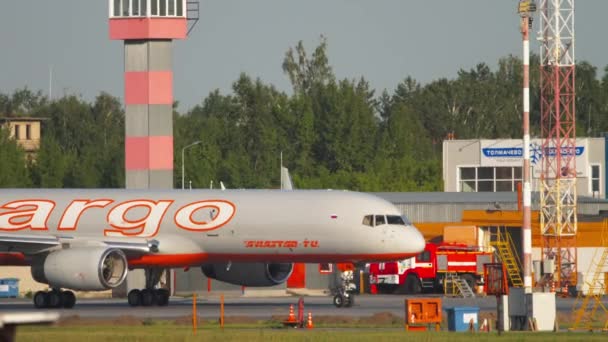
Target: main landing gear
[150,296]
[54,299]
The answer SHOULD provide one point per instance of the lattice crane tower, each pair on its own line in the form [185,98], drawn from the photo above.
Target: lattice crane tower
[558,178]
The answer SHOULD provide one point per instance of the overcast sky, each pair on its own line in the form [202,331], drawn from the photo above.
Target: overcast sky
[382,40]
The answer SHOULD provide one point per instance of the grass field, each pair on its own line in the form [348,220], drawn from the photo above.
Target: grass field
[172,332]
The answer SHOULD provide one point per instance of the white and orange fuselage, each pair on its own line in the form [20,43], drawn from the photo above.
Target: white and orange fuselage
[174,228]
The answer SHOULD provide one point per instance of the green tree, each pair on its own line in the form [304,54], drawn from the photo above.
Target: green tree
[22,102]
[13,171]
[50,168]
[589,118]
[107,150]
[304,72]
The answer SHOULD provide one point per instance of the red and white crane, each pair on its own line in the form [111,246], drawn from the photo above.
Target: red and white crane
[558,199]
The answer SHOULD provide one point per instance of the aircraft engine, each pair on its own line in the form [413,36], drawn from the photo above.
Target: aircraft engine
[249,274]
[83,269]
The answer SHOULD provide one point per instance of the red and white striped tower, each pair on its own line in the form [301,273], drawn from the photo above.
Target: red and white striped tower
[526,21]
[148,28]
[558,178]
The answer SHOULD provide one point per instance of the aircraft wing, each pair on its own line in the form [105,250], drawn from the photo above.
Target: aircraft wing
[33,244]
[27,244]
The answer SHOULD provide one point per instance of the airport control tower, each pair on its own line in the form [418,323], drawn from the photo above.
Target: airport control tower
[148,28]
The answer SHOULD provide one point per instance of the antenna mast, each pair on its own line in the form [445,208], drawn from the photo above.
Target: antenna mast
[525,10]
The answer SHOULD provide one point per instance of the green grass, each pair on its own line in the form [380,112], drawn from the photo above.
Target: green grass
[170,332]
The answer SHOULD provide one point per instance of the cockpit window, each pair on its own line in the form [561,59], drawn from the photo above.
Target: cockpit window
[406,220]
[368,220]
[395,219]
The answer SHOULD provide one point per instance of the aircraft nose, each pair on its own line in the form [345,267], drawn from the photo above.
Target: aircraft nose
[415,241]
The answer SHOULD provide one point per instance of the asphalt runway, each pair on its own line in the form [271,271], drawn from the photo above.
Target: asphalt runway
[259,307]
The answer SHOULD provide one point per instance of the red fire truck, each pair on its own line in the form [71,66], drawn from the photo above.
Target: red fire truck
[428,270]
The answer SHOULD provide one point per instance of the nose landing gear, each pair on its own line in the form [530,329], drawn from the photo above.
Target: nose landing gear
[344,294]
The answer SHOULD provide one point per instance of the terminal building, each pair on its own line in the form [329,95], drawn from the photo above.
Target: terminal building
[496,165]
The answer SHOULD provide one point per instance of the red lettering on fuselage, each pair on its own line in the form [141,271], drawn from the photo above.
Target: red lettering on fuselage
[146,226]
[122,220]
[280,244]
[71,215]
[223,211]
[33,215]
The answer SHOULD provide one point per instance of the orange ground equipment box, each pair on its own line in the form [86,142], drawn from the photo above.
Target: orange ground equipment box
[420,313]
[461,234]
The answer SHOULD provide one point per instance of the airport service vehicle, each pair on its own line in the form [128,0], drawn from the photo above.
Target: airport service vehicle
[89,239]
[428,270]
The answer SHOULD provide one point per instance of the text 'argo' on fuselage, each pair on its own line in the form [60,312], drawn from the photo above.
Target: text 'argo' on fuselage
[138,218]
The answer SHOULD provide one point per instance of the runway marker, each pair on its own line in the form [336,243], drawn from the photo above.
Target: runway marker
[194,313]
[222,311]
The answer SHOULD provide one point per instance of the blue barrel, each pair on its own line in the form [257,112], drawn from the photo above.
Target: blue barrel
[460,317]
[9,287]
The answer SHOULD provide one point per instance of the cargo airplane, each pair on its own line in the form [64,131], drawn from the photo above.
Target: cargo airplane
[87,240]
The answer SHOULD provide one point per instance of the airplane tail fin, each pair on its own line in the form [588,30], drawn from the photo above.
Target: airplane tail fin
[286,183]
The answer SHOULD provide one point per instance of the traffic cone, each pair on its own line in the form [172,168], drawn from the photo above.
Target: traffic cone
[309,323]
[484,326]
[471,326]
[292,316]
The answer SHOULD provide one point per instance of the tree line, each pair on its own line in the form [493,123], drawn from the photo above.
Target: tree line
[331,133]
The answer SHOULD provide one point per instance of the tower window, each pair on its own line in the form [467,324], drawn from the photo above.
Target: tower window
[163,8]
[116,8]
[135,9]
[171,7]
[154,7]
[125,8]
[180,8]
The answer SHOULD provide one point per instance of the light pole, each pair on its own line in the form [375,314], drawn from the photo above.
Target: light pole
[183,150]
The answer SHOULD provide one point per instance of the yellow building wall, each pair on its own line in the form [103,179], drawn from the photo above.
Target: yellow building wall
[589,233]
[19,128]
[26,282]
